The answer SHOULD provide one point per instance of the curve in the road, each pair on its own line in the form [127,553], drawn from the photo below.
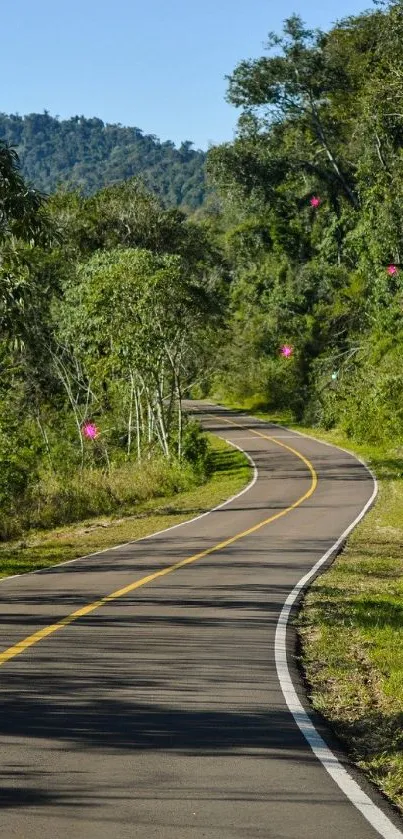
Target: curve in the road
[180,695]
[351,789]
[30,640]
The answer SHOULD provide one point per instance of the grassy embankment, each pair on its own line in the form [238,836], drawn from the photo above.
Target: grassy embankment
[351,624]
[229,471]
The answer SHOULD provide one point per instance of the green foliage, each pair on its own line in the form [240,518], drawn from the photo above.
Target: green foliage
[21,208]
[321,115]
[114,306]
[87,155]
[19,463]
[195,447]
[365,401]
[108,306]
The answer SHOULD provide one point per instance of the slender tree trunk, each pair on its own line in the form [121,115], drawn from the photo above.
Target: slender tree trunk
[136,402]
[322,137]
[141,411]
[180,418]
[76,418]
[46,441]
[154,425]
[170,408]
[161,420]
[63,375]
[149,422]
[108,463]
[129,428]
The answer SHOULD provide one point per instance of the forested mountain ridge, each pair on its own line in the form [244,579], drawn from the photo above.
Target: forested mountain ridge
[88,154]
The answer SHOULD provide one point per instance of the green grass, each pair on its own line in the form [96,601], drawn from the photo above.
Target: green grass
[59,499]
[351,624]
[229,472]
[351,628]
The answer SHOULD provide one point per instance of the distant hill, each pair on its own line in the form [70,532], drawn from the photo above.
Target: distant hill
[88,154]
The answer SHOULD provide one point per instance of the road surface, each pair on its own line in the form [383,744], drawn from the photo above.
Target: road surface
[159,713]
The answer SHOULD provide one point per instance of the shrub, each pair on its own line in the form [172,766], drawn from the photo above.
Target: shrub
[195,446]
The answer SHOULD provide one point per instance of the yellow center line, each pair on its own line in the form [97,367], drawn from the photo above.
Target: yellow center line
[23,645]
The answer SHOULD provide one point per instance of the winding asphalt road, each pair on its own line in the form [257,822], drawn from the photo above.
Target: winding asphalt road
[160,712]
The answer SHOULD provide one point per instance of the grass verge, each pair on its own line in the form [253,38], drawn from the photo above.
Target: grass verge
[351,625]
[229,472]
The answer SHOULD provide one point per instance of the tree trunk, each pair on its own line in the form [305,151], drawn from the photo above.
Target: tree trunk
[322,138]
[161,421]
[129,428]
[46,441]
[136,402]
[180,418]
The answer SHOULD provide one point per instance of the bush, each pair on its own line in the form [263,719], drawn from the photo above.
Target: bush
[244,378]
[195,446]
[366,399]
[19,472]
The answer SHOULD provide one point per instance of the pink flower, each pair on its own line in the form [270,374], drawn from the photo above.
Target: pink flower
[315,201]
[391,269]
[90,430]
[286,350]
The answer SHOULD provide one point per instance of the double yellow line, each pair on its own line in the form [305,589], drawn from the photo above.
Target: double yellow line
[23,645]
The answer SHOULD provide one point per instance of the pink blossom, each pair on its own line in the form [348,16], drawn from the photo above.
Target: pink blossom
[391,269]
[315,201]
[90,430]
[286,350]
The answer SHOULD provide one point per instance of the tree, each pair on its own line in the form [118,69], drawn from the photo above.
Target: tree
[321,117]
[27,273]
[134,318]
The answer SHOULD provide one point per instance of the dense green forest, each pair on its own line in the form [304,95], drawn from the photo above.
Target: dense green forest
[109,304]
[312,226]
[88,155]
[114,306]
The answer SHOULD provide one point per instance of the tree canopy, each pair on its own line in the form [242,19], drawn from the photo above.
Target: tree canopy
[312,189]
[284,287]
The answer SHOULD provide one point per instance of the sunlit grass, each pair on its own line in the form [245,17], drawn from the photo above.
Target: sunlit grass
[351,627]
[229,472]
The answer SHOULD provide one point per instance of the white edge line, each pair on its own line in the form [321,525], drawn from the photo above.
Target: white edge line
[157,532]
[371,812]
[351,789]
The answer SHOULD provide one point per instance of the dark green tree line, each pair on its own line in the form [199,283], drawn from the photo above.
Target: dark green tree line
[320,119]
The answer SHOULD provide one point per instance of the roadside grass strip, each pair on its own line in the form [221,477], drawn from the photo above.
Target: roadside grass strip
[351,630]
[230,472]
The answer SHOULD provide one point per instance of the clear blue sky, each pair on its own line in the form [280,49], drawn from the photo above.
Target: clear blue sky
[155,64]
